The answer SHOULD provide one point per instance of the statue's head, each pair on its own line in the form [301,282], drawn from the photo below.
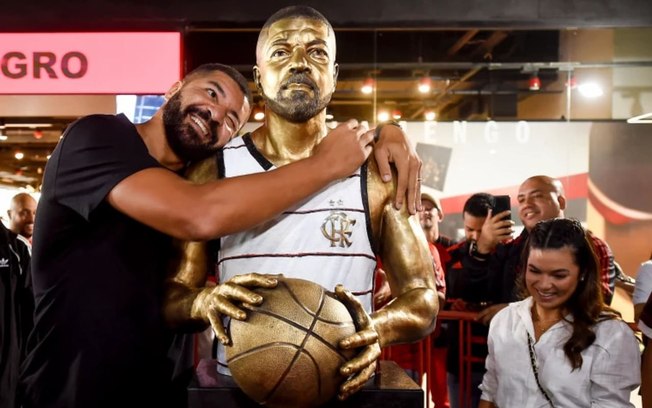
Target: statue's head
[295,68]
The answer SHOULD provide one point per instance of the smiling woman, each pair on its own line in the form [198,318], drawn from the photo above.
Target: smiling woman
[563,336]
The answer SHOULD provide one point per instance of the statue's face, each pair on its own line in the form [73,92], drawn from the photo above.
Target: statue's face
[296,71]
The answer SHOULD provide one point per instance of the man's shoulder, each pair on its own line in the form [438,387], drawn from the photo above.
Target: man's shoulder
[596,240]
[104,128]
[8,237]
[100,120]
[445,241]
[457,247]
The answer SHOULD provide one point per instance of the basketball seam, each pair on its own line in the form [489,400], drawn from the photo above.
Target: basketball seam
[300,327]
[298,353]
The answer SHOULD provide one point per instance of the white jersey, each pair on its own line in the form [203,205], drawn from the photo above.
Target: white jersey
[325,239]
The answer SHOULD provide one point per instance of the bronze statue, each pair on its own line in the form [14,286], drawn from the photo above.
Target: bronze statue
[326,239]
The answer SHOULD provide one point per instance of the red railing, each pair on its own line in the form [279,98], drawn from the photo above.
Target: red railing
[425,355]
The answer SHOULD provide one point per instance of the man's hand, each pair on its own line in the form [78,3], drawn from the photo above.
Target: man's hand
[345,148]
[393,146]
[494,230]
[227,298]
[360,368]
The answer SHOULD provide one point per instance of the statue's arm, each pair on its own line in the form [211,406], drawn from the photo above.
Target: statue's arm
[188,267]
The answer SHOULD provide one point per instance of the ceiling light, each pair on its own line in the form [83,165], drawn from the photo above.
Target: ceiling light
[644,118]
[367,86]
[259,113]
[534,83]
[429,115]
[396,114]
[26,125]
[383,116]
[19,155]
[590,89]
[425,84]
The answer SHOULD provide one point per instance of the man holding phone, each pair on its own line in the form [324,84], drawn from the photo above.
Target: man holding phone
[539,198]
[468,292]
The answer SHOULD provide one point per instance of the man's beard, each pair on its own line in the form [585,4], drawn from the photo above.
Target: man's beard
[427,223]
[299,107]
[182,137]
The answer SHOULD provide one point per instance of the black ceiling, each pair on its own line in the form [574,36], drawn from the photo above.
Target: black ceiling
[480,63]
[43,15]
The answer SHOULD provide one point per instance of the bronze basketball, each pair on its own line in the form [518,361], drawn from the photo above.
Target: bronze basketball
[285,354]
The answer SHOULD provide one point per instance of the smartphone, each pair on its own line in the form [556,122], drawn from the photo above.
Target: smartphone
[502,203]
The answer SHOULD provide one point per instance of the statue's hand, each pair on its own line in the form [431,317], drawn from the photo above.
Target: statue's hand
[228,298]
[360,368]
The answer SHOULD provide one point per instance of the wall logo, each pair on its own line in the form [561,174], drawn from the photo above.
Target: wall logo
[89,63]
[16,64]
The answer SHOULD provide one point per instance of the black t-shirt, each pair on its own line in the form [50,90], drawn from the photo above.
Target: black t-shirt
[98,275]
[16,311]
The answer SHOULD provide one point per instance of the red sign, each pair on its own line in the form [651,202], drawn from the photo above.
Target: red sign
[89,63]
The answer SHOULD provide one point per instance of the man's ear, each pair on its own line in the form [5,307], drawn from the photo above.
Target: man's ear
[257,79]
[336,71]
[562,202]
[173,90]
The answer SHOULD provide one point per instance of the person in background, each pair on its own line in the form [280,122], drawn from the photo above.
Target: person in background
[562,346]
[16,312]
[22,212]
[332,238]
[539,198]
[469,293]
[642,287]
[430,216]
[112,201]
[645,326]
[461,285]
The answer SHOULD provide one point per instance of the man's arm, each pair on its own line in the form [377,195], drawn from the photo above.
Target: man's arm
[393,146]
[185,210]
[607,267]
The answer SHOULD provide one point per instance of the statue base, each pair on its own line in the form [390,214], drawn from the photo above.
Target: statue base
[390,388]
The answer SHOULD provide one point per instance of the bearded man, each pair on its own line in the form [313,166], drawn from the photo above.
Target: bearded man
[111,201]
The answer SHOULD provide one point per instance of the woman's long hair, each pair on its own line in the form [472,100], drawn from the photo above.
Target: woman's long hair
[586,304]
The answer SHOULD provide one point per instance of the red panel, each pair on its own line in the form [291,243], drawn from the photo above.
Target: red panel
[89,63]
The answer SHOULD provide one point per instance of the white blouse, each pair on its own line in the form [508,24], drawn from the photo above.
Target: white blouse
[643,285]
[610,370]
